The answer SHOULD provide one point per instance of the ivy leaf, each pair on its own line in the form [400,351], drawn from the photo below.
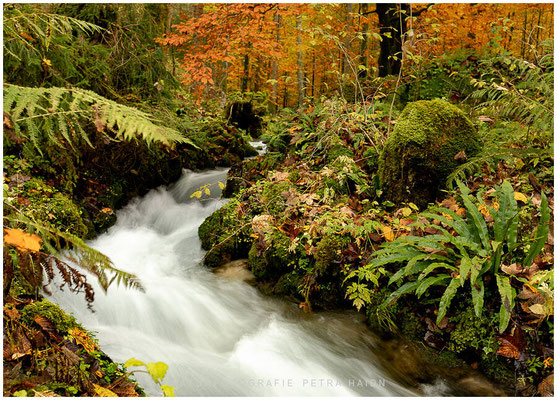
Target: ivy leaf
[157,370]
[132,362]
[168,391]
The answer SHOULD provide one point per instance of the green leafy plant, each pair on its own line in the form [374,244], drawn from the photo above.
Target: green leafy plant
[156,370]
[60,250]
[54,115]
[464,251]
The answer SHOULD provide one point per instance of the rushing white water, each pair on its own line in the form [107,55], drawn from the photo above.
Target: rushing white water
[219,337]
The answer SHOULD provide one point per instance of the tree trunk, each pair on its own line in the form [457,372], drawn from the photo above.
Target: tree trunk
[390,21]
[362,72]
[275,68]
[346,52]
[245,76]
[300,60]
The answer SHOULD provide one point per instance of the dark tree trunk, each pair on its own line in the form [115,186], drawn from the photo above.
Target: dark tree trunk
[245,76]
[390,21]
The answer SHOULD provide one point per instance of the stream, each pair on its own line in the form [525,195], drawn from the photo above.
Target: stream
[219,336]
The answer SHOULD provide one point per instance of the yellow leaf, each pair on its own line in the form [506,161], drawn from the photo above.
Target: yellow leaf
[221,185]
[207,192]
[196,194]
[483,209]
[168,391]
[103,392]
[82,338]
[25,241]
[520,197]
[406,211]
[388,233]
[537,309]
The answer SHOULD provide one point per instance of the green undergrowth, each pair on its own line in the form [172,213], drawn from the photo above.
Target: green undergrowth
[311,217]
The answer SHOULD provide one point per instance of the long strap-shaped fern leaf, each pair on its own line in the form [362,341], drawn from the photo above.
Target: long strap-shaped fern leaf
[58,115]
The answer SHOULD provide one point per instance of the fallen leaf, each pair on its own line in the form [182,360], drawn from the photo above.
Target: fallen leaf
[545,388]
[24,241]
[513,269]
[537,309]
[103,392]
[388,233]
[82,338]
[507,349]
[520,197]
[460,156]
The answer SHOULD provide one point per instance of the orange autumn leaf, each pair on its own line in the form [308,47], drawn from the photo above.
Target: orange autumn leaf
[24,241]
[83,339]
[507,349]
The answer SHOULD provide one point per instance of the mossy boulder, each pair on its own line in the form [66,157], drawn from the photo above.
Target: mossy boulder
[221,237]
[47,205]
[430,139]
[62,321]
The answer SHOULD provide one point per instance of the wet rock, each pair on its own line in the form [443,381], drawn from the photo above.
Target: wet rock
[236,270]
[478,385]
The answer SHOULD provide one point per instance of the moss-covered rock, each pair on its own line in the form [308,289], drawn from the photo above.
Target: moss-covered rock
[221,237]
[47,205]
[420,153]
[62,321]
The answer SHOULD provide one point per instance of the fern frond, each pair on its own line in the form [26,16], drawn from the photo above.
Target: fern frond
[56,111]
[26,31]
[65,246]
[491,157]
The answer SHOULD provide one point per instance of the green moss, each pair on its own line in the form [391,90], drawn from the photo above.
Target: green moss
[47,205]
[498,371]
[271,196]
[328,252]
[371,157]
[288,283]
[420,153]
[62,321]
[375,322]
[338,150]
[411,326]
[473,333]
[224,235]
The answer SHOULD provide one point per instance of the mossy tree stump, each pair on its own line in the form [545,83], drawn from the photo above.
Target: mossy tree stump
[430,139]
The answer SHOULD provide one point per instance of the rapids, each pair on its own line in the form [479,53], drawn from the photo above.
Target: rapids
[219,337]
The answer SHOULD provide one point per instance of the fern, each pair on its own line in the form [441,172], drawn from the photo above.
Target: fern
[52,116]
[32,32]
[519,90]
[453,259]
[61,246]
[490,156]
